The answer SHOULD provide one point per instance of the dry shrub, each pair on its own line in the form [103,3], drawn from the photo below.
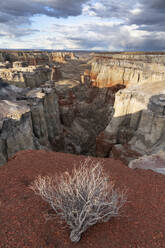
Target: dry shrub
[82,198]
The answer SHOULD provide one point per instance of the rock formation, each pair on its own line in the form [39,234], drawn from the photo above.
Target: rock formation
[36,57]
[61,115]
[30,57]
[137,126]
[32,122]
[112,105]
[29,76]
[139,118]
[127,69]
[153,162]
[63,57]
[84,112]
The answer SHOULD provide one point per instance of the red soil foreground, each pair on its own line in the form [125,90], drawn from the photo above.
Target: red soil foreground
[22,222]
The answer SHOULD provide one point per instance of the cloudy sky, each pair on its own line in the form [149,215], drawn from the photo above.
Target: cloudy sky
[83,24]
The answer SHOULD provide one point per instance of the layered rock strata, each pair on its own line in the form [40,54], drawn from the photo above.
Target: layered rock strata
[63,57]
[29,76]
[32,123]
[138,122]
[31,57]
[84,111]
[37,57]
[108,70]
[71,108]
[15,129]
[137,126]
[63,116]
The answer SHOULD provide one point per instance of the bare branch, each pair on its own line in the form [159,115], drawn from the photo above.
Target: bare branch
[83,198]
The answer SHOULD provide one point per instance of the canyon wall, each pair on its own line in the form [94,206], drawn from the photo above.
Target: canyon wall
[31,57]
[85,111]
[15,129]
[139,117]
[62,115]
[29,76]
[63,57]
[108,70]
[110,106]
[36,57]
[32,123]
[137,126]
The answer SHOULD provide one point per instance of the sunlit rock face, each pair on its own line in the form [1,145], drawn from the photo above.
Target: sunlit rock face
[37,57]
[108,70]
[137,126]
[29,76]
[139,113]
[138,120]
[63,57]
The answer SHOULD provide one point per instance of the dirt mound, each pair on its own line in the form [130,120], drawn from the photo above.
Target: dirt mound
[22,222]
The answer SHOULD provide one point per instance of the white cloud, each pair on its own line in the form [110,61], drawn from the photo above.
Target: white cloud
[136,11]
[103,24]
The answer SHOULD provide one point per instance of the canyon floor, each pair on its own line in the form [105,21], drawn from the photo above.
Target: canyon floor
[22,213]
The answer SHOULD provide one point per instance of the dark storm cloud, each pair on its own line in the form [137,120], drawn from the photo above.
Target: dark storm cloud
[133,24]
[56,8]
[113,8]
[145,43]
[14,13]
[4,18]
[156,4]
[149,12]
[23,32]
[88,44]
[151,44]
[151,15]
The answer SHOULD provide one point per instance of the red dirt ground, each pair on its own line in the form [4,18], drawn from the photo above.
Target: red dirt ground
[22,222]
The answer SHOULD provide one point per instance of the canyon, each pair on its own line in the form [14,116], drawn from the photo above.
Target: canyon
[97,104]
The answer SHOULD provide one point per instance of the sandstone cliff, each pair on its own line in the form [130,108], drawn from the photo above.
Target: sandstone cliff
[32,123]
[84,111]
[36,57]
[127,69]
[31,57]
[64,116]
[15,129]
[45,116]
[63,57]
[137,126]
[70,107]
[138,121]
[29,76]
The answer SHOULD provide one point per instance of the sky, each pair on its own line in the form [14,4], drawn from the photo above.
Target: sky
[108,25]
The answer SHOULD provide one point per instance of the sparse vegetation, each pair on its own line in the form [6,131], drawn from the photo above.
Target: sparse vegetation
[82,198]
